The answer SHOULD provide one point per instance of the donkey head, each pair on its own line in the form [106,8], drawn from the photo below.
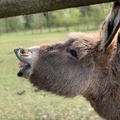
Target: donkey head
[75,66]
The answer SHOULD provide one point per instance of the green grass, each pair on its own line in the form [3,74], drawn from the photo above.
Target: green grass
[34,105]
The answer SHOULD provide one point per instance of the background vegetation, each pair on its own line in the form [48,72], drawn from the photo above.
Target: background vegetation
[19,100]
[83,18]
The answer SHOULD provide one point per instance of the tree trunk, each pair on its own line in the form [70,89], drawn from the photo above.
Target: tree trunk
[23,7]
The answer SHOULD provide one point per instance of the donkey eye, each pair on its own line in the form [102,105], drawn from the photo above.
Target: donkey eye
[73,53]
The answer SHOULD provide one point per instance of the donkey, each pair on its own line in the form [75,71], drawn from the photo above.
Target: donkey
[86,64]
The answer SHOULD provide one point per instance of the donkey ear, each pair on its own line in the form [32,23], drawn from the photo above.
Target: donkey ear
[110,27]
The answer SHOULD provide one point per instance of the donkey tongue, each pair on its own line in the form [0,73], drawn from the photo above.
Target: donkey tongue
[21,64]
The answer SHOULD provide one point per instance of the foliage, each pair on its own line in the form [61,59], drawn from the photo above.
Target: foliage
[77,17]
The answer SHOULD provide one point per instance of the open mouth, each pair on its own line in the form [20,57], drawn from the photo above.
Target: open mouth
[23,55]
[23,68]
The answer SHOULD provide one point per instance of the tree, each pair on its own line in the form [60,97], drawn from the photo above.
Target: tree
[12,24]
[28,22]
[22,7]
[69,17]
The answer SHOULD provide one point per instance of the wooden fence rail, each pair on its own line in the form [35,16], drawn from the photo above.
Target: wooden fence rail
[10,8]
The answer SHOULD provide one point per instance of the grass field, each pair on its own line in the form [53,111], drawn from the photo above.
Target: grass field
[18,99]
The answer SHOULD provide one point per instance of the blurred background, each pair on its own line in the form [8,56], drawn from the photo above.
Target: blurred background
[19,100]
[82,18]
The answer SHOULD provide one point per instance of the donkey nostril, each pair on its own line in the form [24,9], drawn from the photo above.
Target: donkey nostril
[22,51]
[25,52]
